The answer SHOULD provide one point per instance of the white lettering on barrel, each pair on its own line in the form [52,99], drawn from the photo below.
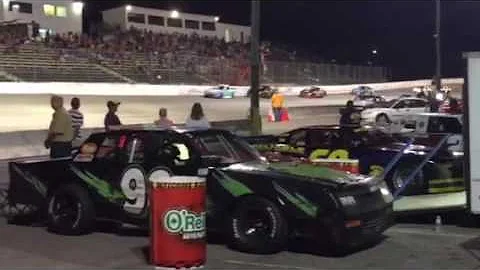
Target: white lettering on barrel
[189,224]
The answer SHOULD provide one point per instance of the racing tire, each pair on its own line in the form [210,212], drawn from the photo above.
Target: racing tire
[398,178]
[382,119]
[70,211]
[257,226]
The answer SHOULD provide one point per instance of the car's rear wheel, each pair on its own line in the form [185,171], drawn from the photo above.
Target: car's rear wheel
[257,225]
[70,211]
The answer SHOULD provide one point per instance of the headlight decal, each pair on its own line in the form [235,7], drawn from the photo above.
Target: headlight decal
[348,200]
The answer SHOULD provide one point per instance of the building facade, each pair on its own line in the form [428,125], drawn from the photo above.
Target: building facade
[56,16]
[166,21]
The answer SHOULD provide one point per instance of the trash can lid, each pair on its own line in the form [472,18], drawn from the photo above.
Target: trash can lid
[162,177]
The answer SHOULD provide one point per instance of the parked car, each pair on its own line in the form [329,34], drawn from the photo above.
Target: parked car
[395,110]
[257,206]
[374,150]
[366,102]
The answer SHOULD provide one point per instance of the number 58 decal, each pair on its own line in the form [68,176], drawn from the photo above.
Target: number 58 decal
[326,153]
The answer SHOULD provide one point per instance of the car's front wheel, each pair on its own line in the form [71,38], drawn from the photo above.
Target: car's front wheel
[257,225]
[70,210]
[382,120]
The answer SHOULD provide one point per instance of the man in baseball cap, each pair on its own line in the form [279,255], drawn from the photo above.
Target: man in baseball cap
[111,119]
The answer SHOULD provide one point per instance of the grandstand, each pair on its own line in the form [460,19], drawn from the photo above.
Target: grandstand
[142,56]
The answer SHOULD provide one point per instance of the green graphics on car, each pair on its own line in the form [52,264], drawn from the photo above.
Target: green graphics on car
[101,186]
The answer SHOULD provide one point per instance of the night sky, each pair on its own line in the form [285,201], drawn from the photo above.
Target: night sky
[347,31]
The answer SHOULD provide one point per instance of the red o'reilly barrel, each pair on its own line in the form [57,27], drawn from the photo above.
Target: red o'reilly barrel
[178,221]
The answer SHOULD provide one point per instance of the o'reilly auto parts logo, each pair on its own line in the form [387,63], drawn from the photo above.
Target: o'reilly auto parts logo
[189,225]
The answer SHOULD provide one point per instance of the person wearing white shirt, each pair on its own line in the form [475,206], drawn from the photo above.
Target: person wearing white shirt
[197,119]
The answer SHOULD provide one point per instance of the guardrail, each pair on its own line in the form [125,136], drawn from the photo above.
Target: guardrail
[122,89]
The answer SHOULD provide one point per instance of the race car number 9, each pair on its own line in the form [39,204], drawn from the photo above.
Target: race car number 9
[134,188]
[326,153]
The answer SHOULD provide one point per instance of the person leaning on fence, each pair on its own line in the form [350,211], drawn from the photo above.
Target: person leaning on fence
[278,101]
[60,132]
[163,120]
[197,118]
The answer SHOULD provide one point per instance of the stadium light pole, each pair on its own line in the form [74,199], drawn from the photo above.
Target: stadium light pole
[438,70]
[255,118]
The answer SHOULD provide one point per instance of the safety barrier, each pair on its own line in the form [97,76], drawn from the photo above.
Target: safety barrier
[120,89]
[412,175]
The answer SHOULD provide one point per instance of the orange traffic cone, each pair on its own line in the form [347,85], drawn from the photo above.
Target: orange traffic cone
[270,117]
[284,117]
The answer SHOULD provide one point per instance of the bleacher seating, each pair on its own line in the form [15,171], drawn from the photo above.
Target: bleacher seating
[37,63]
[141,57]
[4,79]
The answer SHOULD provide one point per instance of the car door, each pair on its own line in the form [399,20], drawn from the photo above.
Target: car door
[414,107]
[399,110]
[418,106]
[115,176]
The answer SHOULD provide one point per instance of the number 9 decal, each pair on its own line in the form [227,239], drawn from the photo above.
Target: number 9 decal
[133,186]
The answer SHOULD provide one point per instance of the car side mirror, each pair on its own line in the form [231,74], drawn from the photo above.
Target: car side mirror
[210,161]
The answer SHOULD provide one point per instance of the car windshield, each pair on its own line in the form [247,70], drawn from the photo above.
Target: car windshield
[231,148]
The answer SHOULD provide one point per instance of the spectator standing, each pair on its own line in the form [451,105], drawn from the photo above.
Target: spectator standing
[77,117]
[60,132]
[197,118]
[162,120]
[278,101]
[349,116]
[111,118]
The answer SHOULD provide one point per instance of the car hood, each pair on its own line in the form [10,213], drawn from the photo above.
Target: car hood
[300,172]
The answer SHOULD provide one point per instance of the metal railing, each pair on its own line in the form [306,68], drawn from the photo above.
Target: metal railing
[188,68]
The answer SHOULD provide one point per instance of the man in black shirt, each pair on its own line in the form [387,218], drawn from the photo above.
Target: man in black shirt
[111,119]
[349,116]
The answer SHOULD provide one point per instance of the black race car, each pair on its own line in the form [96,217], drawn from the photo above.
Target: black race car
[255,204]
[265,91]
[374,150]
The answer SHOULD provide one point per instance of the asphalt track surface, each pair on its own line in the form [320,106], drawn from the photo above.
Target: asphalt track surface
[405,246]
[33,112]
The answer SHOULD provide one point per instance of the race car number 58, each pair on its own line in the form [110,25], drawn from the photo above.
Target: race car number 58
[326,153]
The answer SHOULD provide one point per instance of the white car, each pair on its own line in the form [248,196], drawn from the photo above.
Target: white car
[221,91]
[396,110]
